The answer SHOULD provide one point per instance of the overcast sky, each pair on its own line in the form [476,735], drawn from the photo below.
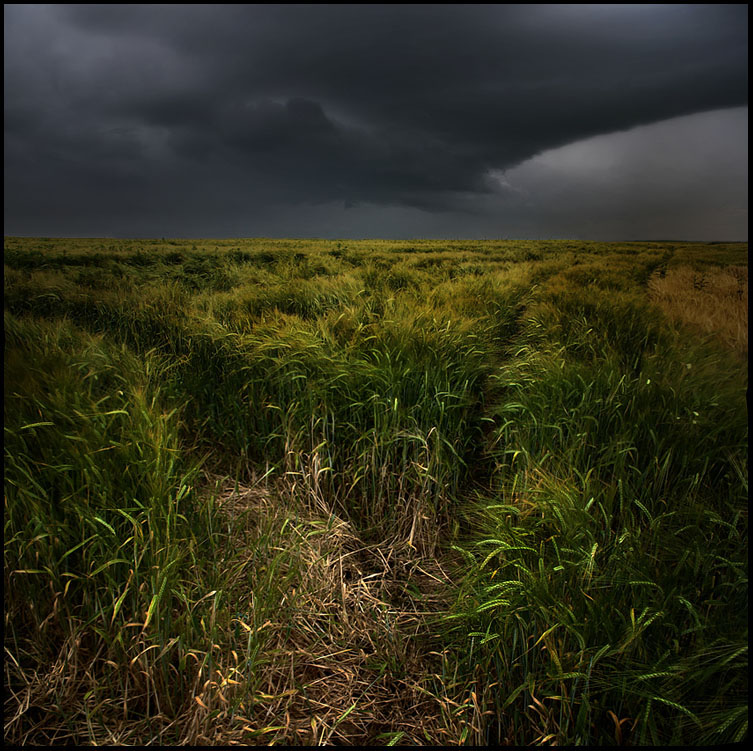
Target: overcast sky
[609,122]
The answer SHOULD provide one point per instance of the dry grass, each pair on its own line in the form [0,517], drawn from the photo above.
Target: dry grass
[352,659]
[715,301]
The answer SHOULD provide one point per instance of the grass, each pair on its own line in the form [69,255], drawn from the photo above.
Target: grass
[715,301]
[366,492]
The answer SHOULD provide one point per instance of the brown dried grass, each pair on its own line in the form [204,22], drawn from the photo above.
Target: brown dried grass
[352,658]
[714,301]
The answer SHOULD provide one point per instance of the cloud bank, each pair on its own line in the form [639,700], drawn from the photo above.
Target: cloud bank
[210,120]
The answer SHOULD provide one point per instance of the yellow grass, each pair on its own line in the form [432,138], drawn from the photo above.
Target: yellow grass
[714,301]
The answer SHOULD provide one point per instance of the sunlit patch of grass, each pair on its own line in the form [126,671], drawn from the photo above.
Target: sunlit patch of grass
[714,301]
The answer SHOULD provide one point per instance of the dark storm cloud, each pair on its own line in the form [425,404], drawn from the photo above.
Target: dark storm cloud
[117,113]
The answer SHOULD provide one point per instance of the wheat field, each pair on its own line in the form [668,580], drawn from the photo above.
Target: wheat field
[312,492]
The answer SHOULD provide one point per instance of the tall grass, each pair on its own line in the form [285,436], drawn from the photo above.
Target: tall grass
[616,535]
[100,521]
[124,621]
[310,492]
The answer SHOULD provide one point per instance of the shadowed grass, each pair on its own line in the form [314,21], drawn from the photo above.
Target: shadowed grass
[101,521]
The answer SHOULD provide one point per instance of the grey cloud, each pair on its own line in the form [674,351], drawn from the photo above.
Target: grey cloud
[402,106]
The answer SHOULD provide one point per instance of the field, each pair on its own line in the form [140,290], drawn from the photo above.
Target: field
[375,492]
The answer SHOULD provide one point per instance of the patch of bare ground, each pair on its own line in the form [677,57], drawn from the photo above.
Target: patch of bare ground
[714,302]
[349,656]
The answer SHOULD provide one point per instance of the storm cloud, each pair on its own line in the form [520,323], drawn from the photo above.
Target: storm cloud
[286,120]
